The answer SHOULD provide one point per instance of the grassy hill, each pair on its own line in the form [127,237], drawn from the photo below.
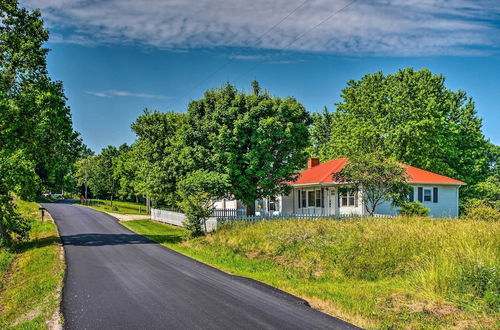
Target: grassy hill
[375,273]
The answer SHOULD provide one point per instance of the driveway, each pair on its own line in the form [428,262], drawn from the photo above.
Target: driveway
[116,279]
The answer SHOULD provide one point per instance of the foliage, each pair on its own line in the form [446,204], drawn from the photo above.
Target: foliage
[37,143]
[379,180]
[160,155]
[98,172]
[412,117]
[482,211]
[376,273]
[257,140]
[199,191]
[413,209]
[321,130]
[482,281]
[11,222]
[124,172]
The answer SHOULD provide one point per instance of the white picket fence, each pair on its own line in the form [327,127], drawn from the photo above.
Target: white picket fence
[177,218]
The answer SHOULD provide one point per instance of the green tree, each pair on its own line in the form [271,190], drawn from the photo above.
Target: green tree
[199,191]
[257,140]
[36,134]
[125,172]
[379,180]
[83,173]
[161,154]
[321,133]
[414,118]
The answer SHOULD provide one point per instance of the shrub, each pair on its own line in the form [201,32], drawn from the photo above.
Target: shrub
[483,281]
[482,211]
[414,209]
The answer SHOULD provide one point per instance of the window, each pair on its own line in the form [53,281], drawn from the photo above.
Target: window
[274,205]
[350,199]
[310,198]
[304,204]
[427,195]
[318,198]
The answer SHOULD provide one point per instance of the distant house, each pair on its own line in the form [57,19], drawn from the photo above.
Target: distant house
[315,192]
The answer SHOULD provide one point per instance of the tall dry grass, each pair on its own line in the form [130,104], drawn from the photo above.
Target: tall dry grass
[438,258]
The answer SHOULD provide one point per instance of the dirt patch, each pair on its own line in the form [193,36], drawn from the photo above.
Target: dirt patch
[27,317]
[401,303]
[252,254]
[482,323]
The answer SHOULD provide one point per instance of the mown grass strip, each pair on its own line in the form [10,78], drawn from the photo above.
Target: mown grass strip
[32,279]
[119,207]
[398,273]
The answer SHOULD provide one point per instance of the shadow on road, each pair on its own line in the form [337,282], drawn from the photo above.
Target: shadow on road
[110,239]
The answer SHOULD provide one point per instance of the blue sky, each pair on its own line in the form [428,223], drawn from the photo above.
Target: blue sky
[118,57]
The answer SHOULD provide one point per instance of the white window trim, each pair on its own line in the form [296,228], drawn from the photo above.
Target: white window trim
[307,190]
[347,196]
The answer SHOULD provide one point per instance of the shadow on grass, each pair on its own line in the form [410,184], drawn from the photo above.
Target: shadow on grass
[35,244]
[172,239]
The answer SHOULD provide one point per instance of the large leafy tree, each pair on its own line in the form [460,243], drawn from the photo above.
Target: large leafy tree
[162,158]
[414,118]
[36,134]
[256,139]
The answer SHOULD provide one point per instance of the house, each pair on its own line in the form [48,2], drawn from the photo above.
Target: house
[315,192]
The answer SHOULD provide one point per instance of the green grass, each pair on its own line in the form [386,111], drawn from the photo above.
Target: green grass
[375,273]
[31,275]
[119,207]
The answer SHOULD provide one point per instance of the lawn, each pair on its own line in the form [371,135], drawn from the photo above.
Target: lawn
[31,276]
[375,273]
[118,206]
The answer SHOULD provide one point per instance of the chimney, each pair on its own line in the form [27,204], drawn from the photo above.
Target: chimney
[312,162]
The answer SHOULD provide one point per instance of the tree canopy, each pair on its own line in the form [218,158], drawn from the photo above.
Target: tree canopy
[411,116]
[38,146]
[257,140]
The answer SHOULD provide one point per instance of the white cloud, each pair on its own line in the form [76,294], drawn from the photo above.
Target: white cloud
[379,27]
[114,92]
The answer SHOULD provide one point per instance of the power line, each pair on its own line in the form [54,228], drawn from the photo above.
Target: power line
[300,36]
[213,73]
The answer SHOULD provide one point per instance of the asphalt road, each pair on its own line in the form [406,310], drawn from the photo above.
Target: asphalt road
[116,279]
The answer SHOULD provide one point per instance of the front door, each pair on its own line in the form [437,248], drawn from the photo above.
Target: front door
[332,201]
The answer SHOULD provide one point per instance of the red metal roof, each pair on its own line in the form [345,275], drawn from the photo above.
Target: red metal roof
[322,173]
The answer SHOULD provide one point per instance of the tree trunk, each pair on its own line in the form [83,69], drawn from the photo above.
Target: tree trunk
[251,209]
[148,206]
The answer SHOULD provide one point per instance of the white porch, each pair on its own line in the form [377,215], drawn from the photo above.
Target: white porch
[313,199]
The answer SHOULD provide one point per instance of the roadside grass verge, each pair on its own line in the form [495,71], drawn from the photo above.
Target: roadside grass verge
[374,273]
[31,275]
[119,207]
